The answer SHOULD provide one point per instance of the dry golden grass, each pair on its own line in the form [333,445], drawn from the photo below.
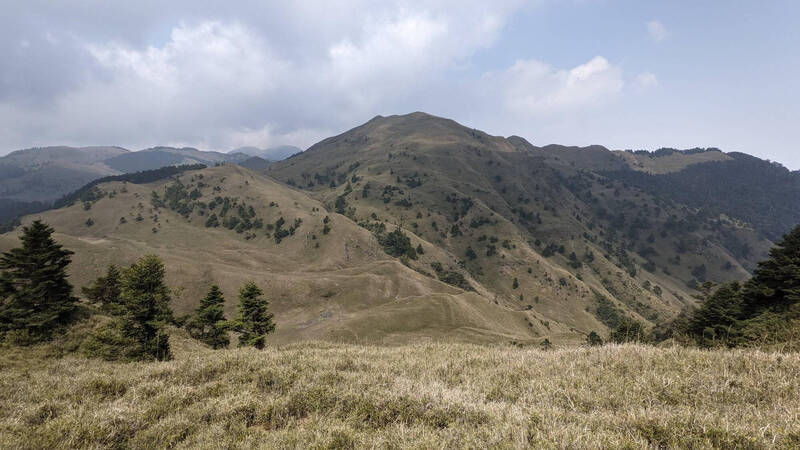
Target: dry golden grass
[430,395]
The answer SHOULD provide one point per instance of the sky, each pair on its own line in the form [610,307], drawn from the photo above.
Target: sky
[627,74]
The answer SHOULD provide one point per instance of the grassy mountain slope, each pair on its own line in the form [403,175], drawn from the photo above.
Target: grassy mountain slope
[585,249]
[337,286]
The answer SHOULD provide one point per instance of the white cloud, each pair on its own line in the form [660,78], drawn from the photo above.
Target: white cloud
[202,82]
[646,80]
[299,76]
[204,58]
[221,84]
[657,31]
[531,86]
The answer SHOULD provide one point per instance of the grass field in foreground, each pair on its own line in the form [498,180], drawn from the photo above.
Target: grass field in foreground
[431,395]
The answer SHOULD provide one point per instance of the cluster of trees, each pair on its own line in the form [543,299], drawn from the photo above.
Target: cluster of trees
[763,310]
[141,177]
[397,244]
[37,302]
[451,277]
[626,330]
[253,322]
[744,187]
[137,299]
[228,212]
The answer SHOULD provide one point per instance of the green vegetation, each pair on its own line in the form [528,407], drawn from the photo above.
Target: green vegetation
[451,277]
[136,330]
[229,212]
[396,244]
[105,292]
[254,321]
[280,233]
[326,228]
[628,330]
[36,297]
[593,339]
[765,310]
[11,210]
[208,324]
[141,177]
[137,303]
[470,253]
[605,311]
[744,187]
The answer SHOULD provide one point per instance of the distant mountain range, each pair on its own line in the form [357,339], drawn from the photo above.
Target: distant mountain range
[269,154]
[34,177]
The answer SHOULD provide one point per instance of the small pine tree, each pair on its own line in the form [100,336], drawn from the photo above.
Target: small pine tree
[35,296]
[594,339]
[105,292]
[254,321]
[628,330]
[208,324]
[471,253]
[146,299]
[515,283]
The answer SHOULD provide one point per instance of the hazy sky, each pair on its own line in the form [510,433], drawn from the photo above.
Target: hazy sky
[621,73]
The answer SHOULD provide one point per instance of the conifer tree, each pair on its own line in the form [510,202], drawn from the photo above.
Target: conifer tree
[775,284]
[628,330]
[717,319]
[594,339]
[106,290]
[146,300]
[209,324]
[254,321]
[35,296]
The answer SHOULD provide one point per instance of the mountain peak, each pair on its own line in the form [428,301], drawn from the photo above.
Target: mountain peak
[416,117]
[413,132]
